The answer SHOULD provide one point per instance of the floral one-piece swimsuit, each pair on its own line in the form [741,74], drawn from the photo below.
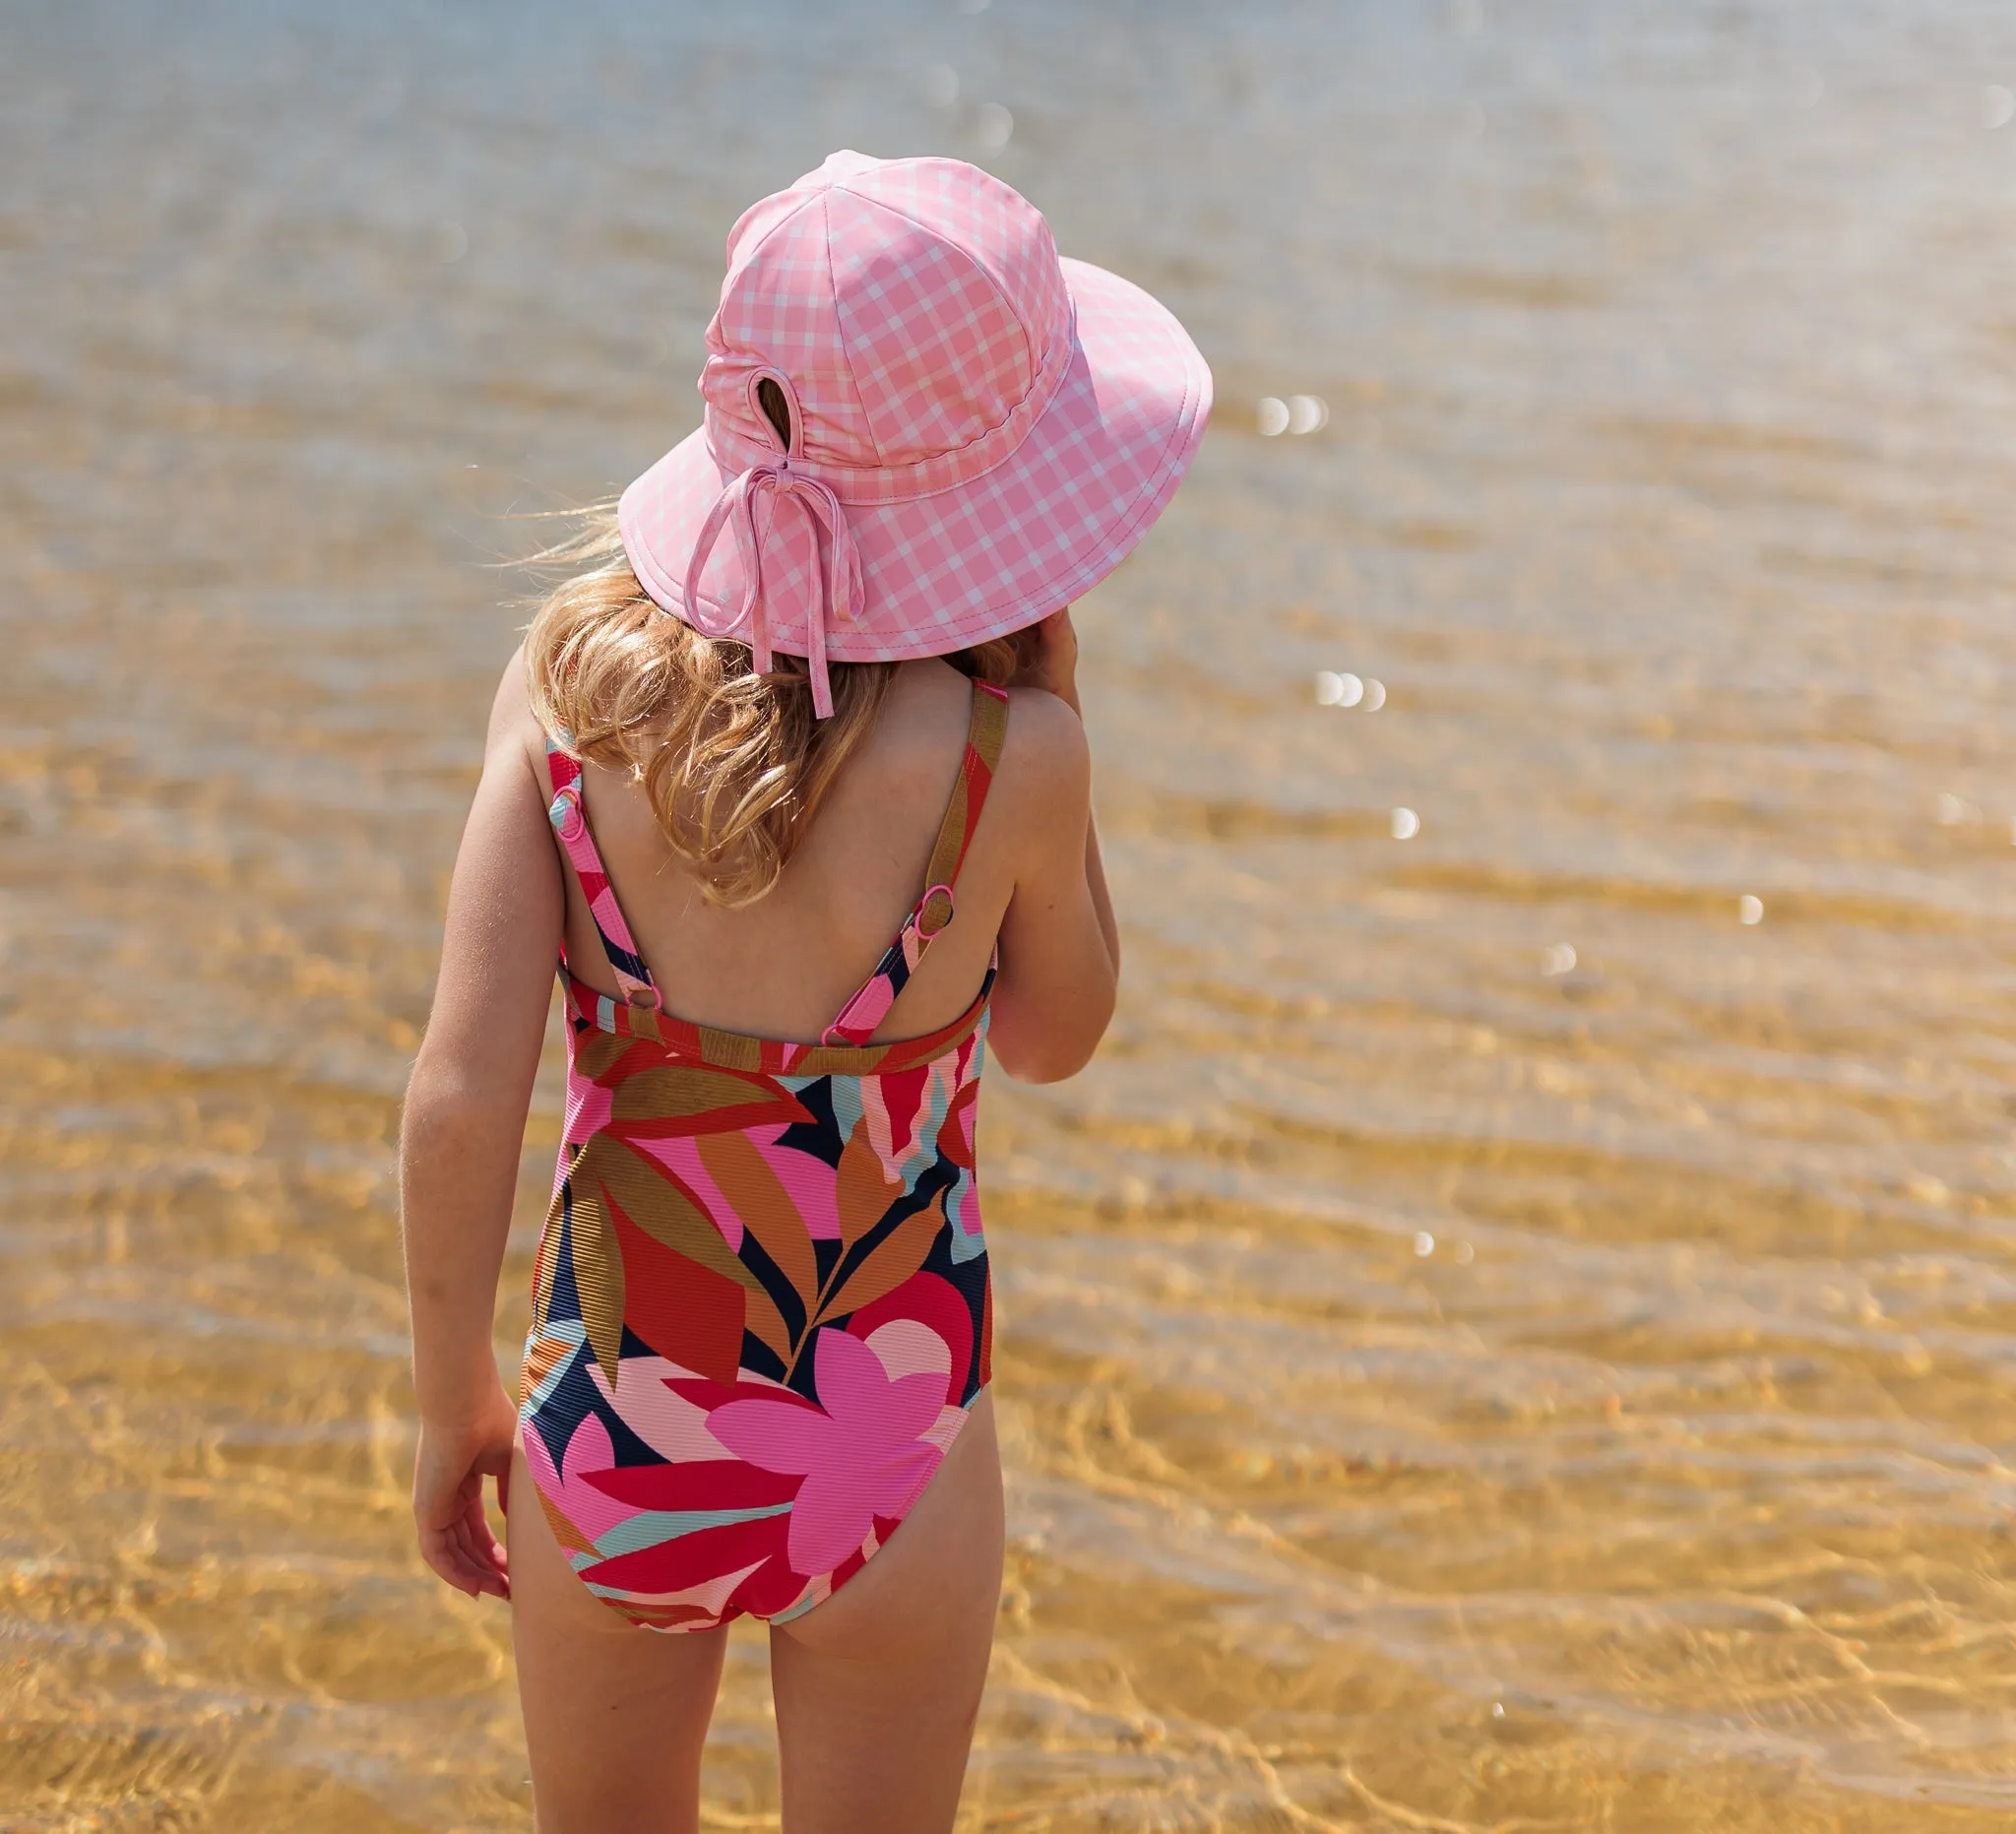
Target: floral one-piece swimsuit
[760,1309]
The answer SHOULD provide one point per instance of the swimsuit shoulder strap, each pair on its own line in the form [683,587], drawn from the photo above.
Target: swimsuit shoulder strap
[988,727]
[569,817]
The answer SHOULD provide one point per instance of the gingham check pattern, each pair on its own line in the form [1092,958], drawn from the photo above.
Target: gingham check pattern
[1001,427]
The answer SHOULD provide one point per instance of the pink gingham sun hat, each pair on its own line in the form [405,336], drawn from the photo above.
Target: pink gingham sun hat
[980,430]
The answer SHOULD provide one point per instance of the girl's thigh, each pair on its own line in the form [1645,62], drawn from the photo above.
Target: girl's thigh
[614,1716]
[877,1689]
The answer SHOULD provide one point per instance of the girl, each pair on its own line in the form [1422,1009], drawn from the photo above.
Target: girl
[809,690]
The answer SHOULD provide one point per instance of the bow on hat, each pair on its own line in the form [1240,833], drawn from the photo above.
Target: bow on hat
[837,587]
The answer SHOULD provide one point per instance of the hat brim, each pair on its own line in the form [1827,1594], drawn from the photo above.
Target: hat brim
[994,554]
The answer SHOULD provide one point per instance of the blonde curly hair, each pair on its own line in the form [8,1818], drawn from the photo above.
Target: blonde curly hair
[735,764]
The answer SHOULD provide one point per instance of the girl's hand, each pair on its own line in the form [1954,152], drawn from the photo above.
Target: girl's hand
[1050,659]
[448,1496]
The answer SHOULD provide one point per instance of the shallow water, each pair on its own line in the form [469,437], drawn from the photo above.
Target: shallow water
[1448,1382]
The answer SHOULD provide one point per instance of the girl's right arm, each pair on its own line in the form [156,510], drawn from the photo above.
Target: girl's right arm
[463,1131]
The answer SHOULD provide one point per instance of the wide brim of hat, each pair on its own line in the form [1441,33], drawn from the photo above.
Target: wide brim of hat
[996,553]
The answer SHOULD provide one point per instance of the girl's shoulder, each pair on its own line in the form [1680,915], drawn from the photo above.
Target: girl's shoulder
[1042,782]
[1038,781]
[514,726]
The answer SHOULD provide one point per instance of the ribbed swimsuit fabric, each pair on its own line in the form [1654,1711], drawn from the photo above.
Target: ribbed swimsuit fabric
[761,1310]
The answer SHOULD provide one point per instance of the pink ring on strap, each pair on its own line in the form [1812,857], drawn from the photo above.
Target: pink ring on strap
[646,996]
[923,903]
[570,824]
[827,1041]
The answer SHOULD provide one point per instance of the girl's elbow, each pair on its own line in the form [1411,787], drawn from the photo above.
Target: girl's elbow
[445,1107]
[1050,1053]
[1043,1064]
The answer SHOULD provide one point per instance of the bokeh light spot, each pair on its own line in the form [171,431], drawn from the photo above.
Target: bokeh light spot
[994,125]
[1307,414]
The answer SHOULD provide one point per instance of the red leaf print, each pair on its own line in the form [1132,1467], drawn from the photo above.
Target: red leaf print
[689,1559]
[901,1091]
[698,1484]
[689,1314]
[955,1142]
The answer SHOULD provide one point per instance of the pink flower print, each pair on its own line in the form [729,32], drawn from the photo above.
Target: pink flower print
[908,1348]
[590,1510]
[938,1334]
[861,1452]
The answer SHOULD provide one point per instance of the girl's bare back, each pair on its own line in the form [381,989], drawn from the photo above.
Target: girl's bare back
[781,967]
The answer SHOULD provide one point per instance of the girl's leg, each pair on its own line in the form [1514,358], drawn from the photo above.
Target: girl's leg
[877,1689]
[614,1716]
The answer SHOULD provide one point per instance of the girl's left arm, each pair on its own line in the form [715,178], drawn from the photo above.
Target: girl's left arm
[463,1131]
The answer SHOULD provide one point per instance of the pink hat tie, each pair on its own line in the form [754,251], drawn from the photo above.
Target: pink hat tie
[842,578]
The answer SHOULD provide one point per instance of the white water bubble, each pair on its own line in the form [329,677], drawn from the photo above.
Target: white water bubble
[1338,689]
[941,86]
[1750,908]
[1375,694]
[1950,811]
[1307,414]
[1465,1254]
[1271,415]
[1997,106]
[1560,960]
[451,242]
[1424,1245]
[994,125]
[1406,824]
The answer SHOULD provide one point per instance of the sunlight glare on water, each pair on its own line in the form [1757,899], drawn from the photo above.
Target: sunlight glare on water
[1508,1333]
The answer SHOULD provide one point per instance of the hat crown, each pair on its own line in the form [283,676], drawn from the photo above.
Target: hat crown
[917,311]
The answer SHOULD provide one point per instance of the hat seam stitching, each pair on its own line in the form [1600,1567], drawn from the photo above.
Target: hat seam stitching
[924,228]
[853,382]
[762,240]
